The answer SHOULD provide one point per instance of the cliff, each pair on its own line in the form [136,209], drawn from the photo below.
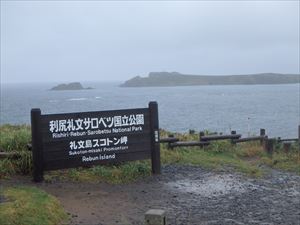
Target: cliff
[164,79]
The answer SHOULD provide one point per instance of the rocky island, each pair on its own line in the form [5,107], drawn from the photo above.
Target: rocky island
[165,79]
[70,86]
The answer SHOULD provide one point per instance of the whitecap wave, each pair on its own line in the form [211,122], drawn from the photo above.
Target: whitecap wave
[53,100]
[77,99]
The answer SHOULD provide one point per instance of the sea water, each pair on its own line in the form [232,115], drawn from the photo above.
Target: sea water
[221,108]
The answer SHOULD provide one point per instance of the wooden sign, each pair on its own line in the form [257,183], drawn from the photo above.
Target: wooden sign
[94,138]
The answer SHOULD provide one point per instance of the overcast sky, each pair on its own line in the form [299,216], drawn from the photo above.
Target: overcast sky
[98,40]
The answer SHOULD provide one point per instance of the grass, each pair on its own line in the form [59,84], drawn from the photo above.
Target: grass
[115,174]
[284,161]
[218,156]
[246,158]
[15,138]
[30,206]
[212,160]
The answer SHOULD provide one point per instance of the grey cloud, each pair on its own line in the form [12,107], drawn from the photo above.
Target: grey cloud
[51,41]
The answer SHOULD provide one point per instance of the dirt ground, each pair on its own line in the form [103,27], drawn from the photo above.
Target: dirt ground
[189,195]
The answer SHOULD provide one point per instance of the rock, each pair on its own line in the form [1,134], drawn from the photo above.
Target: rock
[70,86]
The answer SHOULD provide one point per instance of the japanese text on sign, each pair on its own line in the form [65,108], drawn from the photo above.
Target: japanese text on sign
[94,143]
[95,123]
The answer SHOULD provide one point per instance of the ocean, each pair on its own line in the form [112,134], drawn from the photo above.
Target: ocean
[221,108]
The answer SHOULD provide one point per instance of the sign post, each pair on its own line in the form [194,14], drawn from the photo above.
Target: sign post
[37,145]
[94,138]
[155,146]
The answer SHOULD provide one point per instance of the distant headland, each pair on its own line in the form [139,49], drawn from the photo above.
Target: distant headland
[166,79]
[70,86]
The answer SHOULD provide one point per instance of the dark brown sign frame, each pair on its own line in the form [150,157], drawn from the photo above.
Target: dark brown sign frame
[84,139]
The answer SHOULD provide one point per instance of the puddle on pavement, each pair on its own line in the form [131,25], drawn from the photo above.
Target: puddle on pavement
[209,186]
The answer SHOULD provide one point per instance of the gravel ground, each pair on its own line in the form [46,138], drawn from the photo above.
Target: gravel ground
[189,195]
